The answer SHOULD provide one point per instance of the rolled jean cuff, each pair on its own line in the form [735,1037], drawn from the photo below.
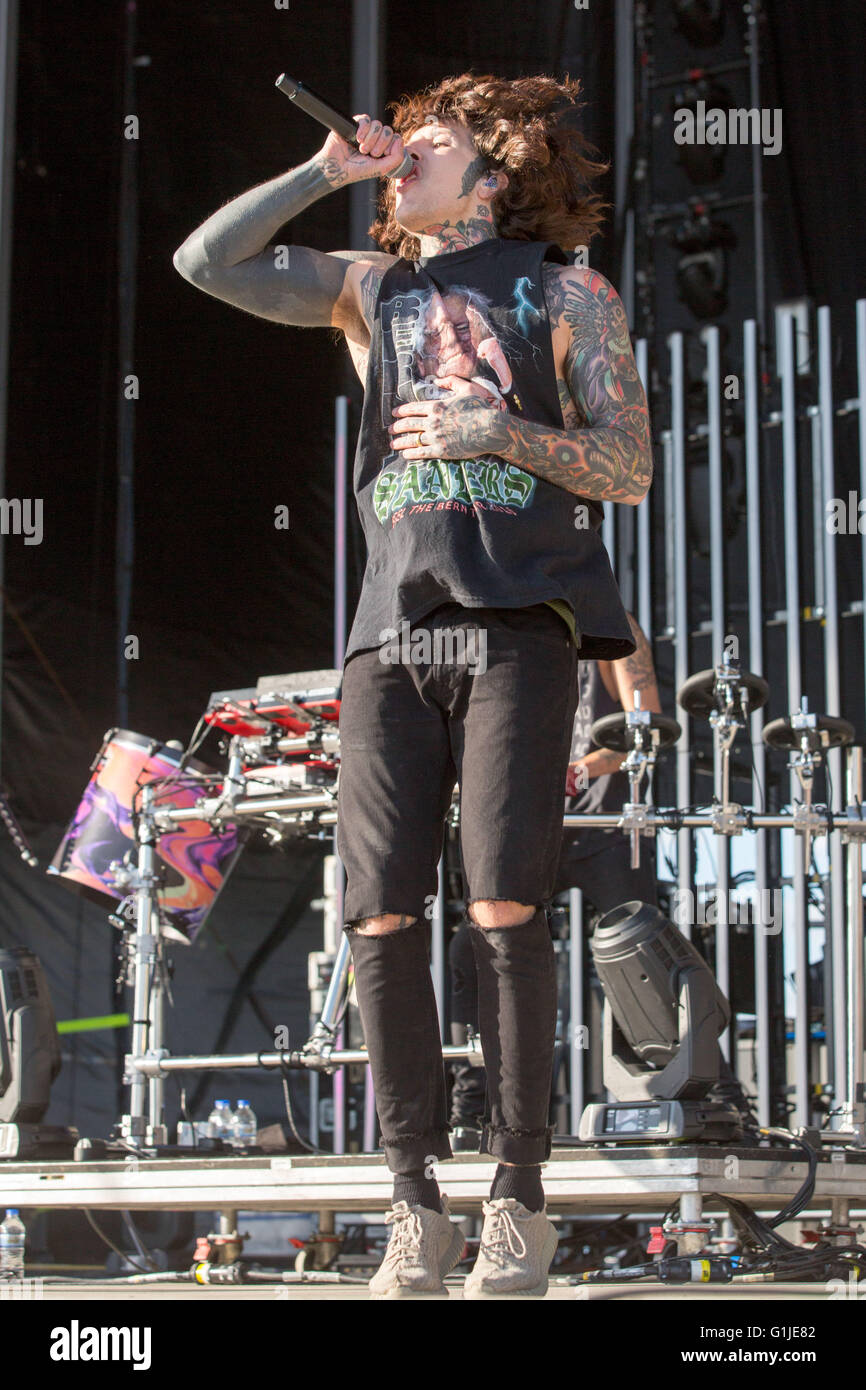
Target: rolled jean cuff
[517,1145]
[409,1153]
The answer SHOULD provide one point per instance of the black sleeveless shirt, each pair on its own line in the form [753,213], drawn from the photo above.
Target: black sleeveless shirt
[609,792]
[480,532]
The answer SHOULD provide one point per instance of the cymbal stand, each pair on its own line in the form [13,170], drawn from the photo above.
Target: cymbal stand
[144,969]
[850,1120]
[642,741]
[808,820]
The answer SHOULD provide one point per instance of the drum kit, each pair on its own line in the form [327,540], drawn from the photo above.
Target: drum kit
[725,697]
[157,833]
[196,857]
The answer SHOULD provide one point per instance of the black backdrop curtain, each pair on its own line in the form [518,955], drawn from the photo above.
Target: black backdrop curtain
[816,73]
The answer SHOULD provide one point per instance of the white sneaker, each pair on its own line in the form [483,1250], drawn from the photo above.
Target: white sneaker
[424,1246]
[517,1247]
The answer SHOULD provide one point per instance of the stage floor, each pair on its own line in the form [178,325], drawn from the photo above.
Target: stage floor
[559,1290]
[603,1179]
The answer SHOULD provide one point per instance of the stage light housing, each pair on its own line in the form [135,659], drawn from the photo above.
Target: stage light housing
[29,1046]
[703,163]
[702,22]
[664,1011]
[702,276]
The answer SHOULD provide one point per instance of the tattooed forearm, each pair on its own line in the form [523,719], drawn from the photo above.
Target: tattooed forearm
[230,256]
[637,672]
[245,225]
[608,465]
[638,669]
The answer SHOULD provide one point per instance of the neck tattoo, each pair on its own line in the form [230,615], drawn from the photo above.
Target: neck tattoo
[440,237]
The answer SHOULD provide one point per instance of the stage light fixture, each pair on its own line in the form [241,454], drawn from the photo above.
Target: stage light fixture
[663,1015]
[702,161]
[29,1058]
[702,274]
[702,22]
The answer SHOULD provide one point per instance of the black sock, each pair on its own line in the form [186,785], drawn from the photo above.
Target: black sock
[522,1181]
[417,1190]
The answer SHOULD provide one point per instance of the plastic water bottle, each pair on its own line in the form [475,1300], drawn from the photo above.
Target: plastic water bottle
[219,1121]
[12,1238]
[244,1126]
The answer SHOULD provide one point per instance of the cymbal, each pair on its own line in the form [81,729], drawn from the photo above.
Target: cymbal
[698,697]
[614,733]
[828,732]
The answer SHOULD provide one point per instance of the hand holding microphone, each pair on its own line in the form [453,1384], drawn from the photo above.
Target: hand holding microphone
[350,154]
[378,153]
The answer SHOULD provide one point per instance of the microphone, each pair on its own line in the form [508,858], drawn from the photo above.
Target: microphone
[326,115]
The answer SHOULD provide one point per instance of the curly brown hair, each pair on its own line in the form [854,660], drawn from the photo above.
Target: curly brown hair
[520,126]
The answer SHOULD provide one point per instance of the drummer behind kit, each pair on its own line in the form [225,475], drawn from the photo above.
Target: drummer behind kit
[157,833]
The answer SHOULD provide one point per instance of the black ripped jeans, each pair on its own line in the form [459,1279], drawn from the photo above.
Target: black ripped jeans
[500,725]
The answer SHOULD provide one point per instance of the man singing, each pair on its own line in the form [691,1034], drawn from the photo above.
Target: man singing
[502,407]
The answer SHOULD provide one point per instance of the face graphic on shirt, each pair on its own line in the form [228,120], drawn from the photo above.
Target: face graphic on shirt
[456,349]
[439,343]
[447,346]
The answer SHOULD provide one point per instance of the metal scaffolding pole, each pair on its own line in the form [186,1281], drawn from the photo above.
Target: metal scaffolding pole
[756,664]
[341,467]
[624,131]
[8,69]
[577,1078]
[753,15]
[861,434]
[670,538]
[368,23]
[644,579]
[854,1116]
[341,470]
[677,522]
[710,338]
[127,269]
[834,909]
[787,371]
[608,532]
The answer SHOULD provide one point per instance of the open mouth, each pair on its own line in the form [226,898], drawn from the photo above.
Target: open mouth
[410,178]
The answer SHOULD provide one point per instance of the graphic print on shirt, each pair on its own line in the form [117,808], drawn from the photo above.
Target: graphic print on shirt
[428,335]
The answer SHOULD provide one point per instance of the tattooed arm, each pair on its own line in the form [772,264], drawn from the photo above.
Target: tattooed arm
[637,672]
[609,457]
[622,678]
[230,255]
